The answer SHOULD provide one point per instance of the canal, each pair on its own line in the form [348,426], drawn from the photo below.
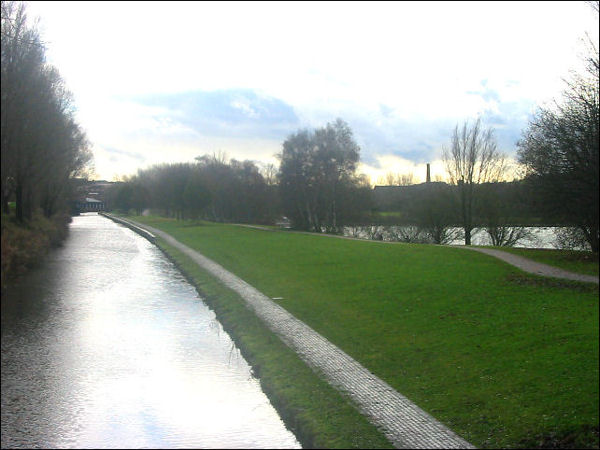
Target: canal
[106,345]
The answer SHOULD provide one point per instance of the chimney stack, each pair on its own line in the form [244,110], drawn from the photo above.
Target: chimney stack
[428,174]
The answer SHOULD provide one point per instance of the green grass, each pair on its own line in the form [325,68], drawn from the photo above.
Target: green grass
[571,260]
[395,214]
[503,358]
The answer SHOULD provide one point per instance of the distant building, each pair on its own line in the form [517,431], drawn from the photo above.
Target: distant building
[395,198]
[90,195]
[90,204]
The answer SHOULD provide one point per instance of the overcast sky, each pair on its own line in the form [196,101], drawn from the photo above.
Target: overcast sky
[167,81]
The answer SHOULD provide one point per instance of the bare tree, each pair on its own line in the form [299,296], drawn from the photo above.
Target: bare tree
[406,179]
[397,179]
[269,173]
[472,159]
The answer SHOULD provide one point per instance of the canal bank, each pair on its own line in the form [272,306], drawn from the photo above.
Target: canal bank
[315,412]
[106,345]
[402,422]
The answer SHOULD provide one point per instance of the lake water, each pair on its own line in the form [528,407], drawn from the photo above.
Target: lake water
[537,237]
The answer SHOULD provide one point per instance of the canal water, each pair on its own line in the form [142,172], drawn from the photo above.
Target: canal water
[106,345]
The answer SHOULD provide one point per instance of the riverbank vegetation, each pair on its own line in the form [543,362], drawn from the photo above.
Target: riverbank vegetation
[23,245]
[503,358]
[43,147]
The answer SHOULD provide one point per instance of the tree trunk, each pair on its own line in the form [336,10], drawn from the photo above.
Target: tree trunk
[19,202]
[468,235]
[5,207]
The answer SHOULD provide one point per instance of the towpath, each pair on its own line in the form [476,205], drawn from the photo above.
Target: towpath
[403,423]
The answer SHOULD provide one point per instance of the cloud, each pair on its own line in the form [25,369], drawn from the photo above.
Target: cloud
[238,113]
[387,134]
[113,161]
[115,153]
[248,124]
[488,94]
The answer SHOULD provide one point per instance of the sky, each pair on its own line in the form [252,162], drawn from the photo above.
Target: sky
[157,82]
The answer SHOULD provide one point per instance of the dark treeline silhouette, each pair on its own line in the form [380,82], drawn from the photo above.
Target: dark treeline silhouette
[43,147]
[211,188]
[502,209]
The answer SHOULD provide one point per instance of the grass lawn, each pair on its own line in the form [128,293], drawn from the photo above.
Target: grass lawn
[571,260]
[503,358]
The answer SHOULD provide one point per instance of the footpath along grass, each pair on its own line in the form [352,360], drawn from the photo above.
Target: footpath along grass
[571,260]
[503,358]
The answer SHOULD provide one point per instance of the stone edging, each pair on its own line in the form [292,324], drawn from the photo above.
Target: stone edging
[131,226]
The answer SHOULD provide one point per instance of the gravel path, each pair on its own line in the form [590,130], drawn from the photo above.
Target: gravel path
[530,266]
[403,423]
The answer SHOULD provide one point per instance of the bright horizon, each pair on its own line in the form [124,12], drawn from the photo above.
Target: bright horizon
[166,82]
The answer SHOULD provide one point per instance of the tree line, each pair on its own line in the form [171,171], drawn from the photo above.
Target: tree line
[43,147]
[316,185]
[432,212]
[211,188]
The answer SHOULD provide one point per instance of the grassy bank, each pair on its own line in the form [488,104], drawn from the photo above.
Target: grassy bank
[23,245]
[503,358]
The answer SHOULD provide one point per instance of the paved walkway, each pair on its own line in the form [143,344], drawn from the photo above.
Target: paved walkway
[402,422]
[525,264]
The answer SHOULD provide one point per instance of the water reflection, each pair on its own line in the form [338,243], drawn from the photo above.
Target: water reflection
[534,237]
[107,345]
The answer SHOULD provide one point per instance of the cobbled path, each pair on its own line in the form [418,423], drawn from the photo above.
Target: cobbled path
[402,422]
